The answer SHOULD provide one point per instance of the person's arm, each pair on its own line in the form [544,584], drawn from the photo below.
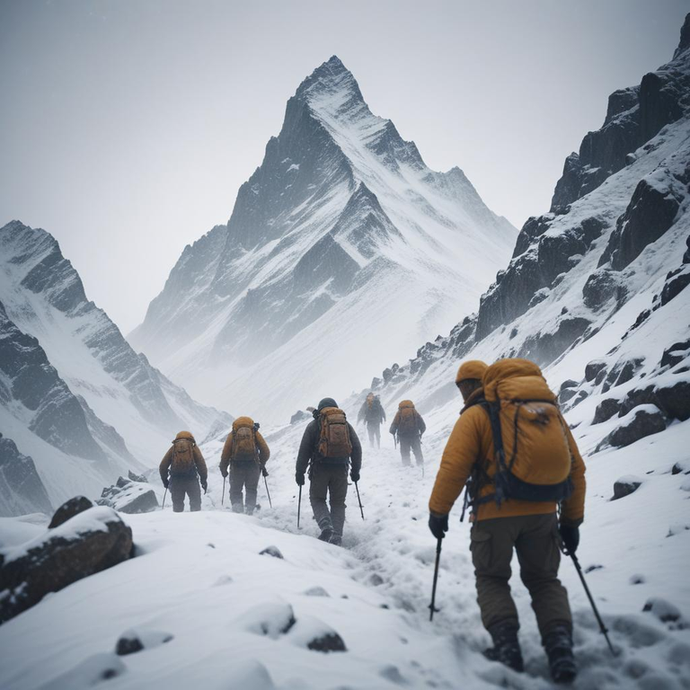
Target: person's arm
[421,424]
[225,455]
[396,423]
[165,466]
[356,455]
[573,508]
[362,412]
[306,448]
[459,456]
[200,466]
[264,450]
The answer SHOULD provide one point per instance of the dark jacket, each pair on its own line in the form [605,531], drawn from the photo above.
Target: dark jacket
[372,414]
[308,449]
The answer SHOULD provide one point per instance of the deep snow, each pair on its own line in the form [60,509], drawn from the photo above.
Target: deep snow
[200,578]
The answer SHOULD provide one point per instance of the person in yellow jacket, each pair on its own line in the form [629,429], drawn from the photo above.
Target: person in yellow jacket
[244,458]
[182,468]
[530,527]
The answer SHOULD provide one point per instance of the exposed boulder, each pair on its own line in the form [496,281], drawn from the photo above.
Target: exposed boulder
[675,400]
[675,284]
[606,409]
[136,477]
[622,372]
[273,551]
[69,509]
[129,496]
[300,416]
[601,286]
[91,541]
[593,368]
[664,610]
[316,635]
[644,420]
[675,354]
[136,640]
[625,486]
[543,348]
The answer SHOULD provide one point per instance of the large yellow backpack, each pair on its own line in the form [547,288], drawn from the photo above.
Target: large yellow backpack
[407,424]
[183,456]
[532,454]
[334,439]
[243,439]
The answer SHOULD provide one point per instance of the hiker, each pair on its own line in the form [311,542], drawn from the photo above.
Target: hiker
[328,445]
[515,508]
[373,415]
[181,469]
[409,426]
[245,452]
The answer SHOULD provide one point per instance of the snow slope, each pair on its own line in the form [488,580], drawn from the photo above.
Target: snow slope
[74,396]
[343,247]
[200,578]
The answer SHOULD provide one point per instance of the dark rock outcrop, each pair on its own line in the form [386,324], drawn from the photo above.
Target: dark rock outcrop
[69,509]
[593,368]
[271,551]
[625,486]
[675,284]
[674,400]
[21,488]
[543,348]
[86,544]
[129,496]
[675,354]
[622,372]
[645,421]
[602,286]
[606,409]
[133,641]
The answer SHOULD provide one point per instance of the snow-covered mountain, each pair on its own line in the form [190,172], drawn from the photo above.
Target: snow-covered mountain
[596,289]
[343,249]
[74,396]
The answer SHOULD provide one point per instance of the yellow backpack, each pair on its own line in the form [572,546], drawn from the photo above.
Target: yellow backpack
[243,440]
[407,425]
[334,439]
[183,457]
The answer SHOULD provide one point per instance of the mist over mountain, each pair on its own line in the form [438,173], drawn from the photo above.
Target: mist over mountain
[342,247]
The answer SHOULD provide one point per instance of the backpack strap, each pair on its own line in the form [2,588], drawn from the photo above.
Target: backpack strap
[494,412]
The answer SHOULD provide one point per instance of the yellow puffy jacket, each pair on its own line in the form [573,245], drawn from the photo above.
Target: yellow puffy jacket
[471,443]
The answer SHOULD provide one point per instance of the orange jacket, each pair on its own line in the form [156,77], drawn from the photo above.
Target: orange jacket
[261,446]
[471,442]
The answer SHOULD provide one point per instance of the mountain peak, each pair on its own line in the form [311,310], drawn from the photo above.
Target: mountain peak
[331,80]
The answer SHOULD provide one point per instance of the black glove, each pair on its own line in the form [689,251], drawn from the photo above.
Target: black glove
[204,486]
[438,525]
[354,476]
[166,483]
[264,471]
[299,478]
[570,537]
[224,473]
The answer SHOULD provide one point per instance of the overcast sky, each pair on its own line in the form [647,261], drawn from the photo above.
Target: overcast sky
[127,126]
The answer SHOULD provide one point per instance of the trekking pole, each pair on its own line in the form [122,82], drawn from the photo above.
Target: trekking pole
[361,510]
[268,493]
[165,493]
[299,505]
[222,500]
[432,605]
[602,627]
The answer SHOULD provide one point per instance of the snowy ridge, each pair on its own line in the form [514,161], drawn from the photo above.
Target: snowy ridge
[75,396]
[342,212]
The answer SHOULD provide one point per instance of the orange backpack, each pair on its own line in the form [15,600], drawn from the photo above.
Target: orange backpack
[334,440]
[243,442]
[183,456]
[407,425]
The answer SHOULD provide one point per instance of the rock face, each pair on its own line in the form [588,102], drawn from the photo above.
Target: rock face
[91,541]
[644,420]
[341,210]
[21,488]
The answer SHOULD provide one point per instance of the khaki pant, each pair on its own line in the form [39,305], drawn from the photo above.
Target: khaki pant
[244,474]
[185,486]
[413,443]
[535,539]
[374,429]
[329,479]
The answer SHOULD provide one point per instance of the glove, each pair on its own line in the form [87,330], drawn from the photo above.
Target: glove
[570,537]
[204,486]
[166,483]
[299,478]
[438,525]
[264,472]
[354,476]
[224,473]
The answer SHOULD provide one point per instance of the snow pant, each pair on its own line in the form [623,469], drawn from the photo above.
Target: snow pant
[374,429]
[244,474]
[182,486]
[413,443]
[328,479]
[535,539]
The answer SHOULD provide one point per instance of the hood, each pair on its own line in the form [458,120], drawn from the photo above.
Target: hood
[405,403]
[472,369]
[327,402]
[242,421]
[184,434]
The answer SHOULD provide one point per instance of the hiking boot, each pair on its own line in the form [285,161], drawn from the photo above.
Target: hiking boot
[506,647]
[336,539]
[326,534]
[558,645]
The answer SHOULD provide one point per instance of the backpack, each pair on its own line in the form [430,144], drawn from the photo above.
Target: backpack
[243,443]
[407,425]
[183,457]
[334,438]
[532,453]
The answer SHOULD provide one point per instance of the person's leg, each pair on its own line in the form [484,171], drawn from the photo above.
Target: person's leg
[416,444]
[318,489]
[404,449]
[194,493]
[377,434]
[338,492]
[236,484]
[372,433]
[251,483]
[177,494]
